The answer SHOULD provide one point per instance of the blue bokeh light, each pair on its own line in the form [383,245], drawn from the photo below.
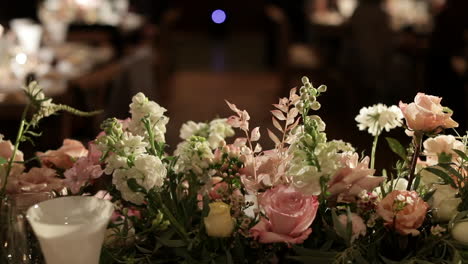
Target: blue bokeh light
[218,16]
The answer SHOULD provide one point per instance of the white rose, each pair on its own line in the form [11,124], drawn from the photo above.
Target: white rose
[460,232]
[399,184]
[444,202]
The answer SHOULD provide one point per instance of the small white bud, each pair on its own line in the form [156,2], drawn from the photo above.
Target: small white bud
[322,88]
[315,106]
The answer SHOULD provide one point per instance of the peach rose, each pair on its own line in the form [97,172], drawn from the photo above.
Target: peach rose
[290,214]
[426,114]
[359,227]
[37,180]
[404,211]
[65,156]
[6,150]
[353,178]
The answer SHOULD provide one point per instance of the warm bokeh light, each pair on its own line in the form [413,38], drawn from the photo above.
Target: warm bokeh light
[21,58]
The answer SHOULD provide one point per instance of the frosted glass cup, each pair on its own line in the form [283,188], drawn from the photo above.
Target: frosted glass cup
[71,229]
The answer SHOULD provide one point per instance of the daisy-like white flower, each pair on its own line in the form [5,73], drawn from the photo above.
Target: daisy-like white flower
[378,117]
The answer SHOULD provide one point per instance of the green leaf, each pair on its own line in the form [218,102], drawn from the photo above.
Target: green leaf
[443,175]
[134,186]
[444,157]
[206,207]
[173,243]
[396,147]
[3,160]
[461,154]
[313,252]
[311,259]
[428,195]
[452,171]
[417,181]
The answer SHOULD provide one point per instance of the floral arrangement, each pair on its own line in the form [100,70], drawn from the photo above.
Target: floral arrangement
[309,199]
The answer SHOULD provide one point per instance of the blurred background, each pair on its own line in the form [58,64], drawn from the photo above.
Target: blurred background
[191,55]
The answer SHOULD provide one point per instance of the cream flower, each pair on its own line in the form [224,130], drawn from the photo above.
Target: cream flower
[378,117]
[194,155]
[141,107]
[441,144]
[306,176]
[191,128]
[218,131]
[444,202]
[148,172]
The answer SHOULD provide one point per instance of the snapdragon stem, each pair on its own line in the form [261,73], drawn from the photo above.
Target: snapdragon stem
[374,148]
[417,140]
[19,136]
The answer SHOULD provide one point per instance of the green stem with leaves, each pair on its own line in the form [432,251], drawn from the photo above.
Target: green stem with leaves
[417,141]
[374,148]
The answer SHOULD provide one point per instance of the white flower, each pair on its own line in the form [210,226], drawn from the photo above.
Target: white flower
[444,202]
[441,144]
[307,176]
[460,232]
[115,162]
[191,128]
[193,155]
[399,184]
[218,131]
[215,132]
[379,117]
[141,107]
[131,145]
[149,172]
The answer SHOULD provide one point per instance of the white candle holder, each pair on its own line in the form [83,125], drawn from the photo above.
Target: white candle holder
[71,229]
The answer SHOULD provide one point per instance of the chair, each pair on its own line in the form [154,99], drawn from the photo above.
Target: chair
[291,58]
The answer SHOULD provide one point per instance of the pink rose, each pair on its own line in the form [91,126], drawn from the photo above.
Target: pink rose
[219,188]
[353,178]
[426,114]
[36,180]
[290,214]
[359,227]
[404,211]
[63,157]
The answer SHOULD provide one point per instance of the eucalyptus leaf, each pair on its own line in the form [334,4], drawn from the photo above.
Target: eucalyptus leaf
[396,147]
[443,175]
[451,170]
[428,195]
[461,154]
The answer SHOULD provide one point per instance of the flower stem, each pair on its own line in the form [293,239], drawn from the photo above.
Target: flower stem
[417,140]
[19,137]
[374,148]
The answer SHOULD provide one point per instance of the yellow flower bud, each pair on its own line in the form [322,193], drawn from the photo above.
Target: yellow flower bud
[219,222]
